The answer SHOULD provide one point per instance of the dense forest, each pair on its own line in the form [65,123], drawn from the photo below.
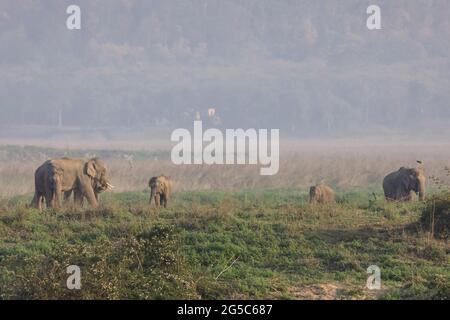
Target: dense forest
[306,67]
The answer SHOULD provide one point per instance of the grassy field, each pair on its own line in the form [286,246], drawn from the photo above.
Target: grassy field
[248,237]
[211,245]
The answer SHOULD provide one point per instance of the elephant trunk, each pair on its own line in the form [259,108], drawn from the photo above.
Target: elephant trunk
[152,195]
[422,190]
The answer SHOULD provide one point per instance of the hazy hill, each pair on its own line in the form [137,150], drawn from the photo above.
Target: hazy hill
[307,67]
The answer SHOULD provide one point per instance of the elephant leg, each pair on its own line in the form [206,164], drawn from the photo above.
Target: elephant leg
[391,196]
[165,201]
[162,200]
[153,197]
[78,198]
[56,199]
[37,201]
[409,196]
[157,200]
[406,196]
[41,202]
[49,199]
[56,193]
[90,196]
[34,202]
[67,195]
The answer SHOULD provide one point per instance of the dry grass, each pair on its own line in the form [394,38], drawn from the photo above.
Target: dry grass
[342,163]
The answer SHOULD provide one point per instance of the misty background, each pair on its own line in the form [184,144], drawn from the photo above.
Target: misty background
[310,68]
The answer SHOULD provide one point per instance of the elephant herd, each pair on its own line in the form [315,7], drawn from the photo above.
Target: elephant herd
[86,179]
[58,179]
[397,186]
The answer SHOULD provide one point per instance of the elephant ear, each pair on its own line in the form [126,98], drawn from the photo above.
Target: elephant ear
[414,173]
[89,169]
[408,176]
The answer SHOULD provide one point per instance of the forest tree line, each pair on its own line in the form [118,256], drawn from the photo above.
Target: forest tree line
[301,66]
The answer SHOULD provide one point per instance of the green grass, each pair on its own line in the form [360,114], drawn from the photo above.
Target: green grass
[213,245]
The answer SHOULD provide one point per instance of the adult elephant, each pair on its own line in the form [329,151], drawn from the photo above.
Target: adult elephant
[160,190]
[398,185]
[85,178]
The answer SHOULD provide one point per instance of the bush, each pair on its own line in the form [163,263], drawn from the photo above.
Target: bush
[436,216]
[147,266]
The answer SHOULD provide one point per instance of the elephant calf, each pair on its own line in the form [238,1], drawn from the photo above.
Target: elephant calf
[161,188]
[398,185]
[321,193]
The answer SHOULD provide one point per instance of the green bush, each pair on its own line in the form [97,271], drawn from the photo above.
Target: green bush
[147,266]
[436,216]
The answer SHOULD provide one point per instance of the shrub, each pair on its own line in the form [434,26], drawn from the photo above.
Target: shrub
[436,216]
[147,266]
